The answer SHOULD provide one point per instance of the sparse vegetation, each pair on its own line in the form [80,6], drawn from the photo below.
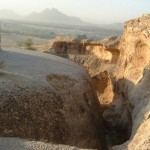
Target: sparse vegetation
[14,31]
[29,44]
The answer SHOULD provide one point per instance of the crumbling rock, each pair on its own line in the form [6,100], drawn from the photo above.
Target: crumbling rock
[134,64]
[126,116]
[63,47]
[104,87]
[105,51]
[135,48]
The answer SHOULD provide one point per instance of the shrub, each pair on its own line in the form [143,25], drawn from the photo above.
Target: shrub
[29,44]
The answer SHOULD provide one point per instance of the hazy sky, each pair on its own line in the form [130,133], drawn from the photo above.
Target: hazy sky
[96,11]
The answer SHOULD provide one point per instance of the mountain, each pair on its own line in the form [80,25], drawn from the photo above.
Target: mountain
[53,16]
[8,14]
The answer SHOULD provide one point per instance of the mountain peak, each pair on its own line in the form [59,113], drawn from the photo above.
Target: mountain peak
[48,10]
[54,16]
[54,9]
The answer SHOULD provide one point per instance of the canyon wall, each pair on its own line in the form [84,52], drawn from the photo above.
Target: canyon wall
[129,94]
[65,45]
[134,68]
[120,74]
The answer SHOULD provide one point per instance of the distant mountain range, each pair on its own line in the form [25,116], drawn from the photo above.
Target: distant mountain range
[54,16]
[48,15]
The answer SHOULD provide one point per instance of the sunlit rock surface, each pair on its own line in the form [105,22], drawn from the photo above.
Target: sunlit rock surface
[122,84]
[135,68]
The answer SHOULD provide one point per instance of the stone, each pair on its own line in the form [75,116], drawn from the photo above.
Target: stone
[48,98]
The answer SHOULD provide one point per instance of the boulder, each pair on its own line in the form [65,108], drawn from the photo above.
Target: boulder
[48,98]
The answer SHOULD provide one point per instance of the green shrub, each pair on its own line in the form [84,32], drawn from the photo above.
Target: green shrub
[29,44]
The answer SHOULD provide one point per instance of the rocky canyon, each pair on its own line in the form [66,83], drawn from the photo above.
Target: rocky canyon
[119,69]
[98,99]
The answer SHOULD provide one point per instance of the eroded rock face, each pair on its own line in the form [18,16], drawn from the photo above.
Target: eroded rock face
[104,87]
[112,96]
[63,47]
[126,116]
[100,72]
[66,45]
[44,97]
[106,51]
[135,52]
[140,135]
[135,48]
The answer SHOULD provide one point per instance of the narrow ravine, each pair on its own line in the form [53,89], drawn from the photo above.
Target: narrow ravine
[119,70]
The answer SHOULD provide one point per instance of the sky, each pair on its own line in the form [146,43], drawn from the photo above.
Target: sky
[93,11]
